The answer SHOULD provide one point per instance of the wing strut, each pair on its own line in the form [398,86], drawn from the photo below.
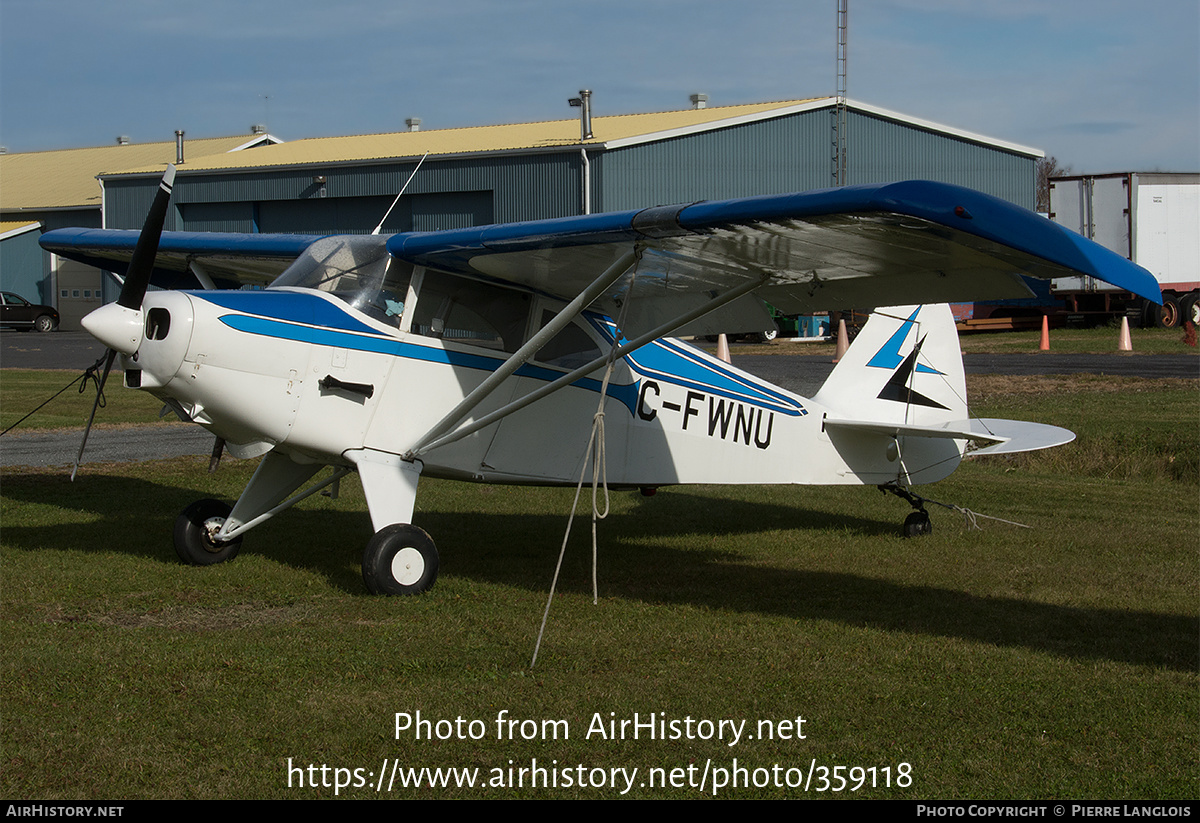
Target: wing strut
[531,347]
[202,275]
[428,443]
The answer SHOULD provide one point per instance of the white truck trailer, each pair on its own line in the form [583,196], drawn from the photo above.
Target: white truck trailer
[1152,219]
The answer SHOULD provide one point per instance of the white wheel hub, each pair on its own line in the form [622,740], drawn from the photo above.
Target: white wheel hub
[407,566]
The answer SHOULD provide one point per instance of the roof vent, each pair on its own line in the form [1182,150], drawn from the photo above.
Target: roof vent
[123,140]
[584,103]
[258,128]
[413,123]
[699,100]
[178,147]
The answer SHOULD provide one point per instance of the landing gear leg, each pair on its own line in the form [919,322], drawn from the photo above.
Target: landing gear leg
[401,558]
[917,524]
[209,532]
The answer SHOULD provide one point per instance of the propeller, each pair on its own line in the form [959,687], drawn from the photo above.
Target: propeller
[120,325]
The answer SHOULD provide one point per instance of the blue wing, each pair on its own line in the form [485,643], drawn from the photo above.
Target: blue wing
[231,260]
[852,247]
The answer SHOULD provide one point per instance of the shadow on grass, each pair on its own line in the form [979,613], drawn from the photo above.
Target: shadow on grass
[642,561]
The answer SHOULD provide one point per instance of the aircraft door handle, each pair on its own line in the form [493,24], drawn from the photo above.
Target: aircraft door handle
[330,382]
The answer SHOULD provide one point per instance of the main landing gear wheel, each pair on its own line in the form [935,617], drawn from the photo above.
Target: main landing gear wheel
[195,529]
[918,524]
[400,560]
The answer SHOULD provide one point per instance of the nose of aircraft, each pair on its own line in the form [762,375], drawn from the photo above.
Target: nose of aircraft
[116,326]
[166,335]
[155,337]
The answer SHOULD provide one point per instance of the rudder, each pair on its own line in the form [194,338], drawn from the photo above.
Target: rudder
[905,366]
[903,370]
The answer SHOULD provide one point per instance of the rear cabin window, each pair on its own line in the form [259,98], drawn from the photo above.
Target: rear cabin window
[570,348]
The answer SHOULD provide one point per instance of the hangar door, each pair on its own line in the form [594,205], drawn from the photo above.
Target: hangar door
[80,291]
[359,215]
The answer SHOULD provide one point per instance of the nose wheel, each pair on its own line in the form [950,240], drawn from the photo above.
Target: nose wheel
[400,559]
[195,534]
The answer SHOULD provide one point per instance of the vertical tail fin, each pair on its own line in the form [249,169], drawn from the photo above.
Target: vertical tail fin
[905,366]
[903,370]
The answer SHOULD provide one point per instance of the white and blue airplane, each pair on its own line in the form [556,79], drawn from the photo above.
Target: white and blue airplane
[484,354]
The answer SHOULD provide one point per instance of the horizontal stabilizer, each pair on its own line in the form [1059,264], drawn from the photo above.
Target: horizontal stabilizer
[1020,436]
[1000,436]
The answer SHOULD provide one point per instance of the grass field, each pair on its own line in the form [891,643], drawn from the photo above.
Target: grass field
[1059,661]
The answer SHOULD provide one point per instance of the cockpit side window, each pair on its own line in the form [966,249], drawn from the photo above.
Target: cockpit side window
[467,311]
[570,348]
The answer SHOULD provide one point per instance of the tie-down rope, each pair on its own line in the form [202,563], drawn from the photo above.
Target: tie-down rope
[595,450]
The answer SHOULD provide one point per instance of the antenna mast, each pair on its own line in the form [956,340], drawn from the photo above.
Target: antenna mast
[839,108]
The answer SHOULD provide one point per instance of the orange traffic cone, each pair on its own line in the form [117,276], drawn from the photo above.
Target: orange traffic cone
[723,348]
[843,341]
[1044,344]
[1124,342]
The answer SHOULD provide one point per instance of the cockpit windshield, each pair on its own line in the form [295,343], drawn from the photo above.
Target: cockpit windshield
[356,268]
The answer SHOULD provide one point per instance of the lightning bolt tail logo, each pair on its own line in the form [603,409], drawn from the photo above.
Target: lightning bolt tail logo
[898,387]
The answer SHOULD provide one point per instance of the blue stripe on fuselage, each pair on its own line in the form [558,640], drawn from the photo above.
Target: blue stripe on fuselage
[309,318]
[345,334]
[675,362]
[296,307]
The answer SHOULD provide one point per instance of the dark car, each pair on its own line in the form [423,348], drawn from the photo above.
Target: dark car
[18,313]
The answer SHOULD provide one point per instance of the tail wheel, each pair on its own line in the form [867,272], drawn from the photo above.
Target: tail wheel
[400,559]
[195,534]
[918,524]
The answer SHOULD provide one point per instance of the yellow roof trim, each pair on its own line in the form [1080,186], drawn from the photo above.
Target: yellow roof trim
[66,178]
[9,228]
[515,137]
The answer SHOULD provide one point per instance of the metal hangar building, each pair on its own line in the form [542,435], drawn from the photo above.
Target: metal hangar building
[529,171]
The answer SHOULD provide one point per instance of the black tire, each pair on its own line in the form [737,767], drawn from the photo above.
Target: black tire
[193,534]
[1189,309]
[766,336]
[400,560]
[917,524]
[45,322]
[1166,316]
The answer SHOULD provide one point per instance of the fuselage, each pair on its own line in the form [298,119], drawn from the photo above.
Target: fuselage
[304,372]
